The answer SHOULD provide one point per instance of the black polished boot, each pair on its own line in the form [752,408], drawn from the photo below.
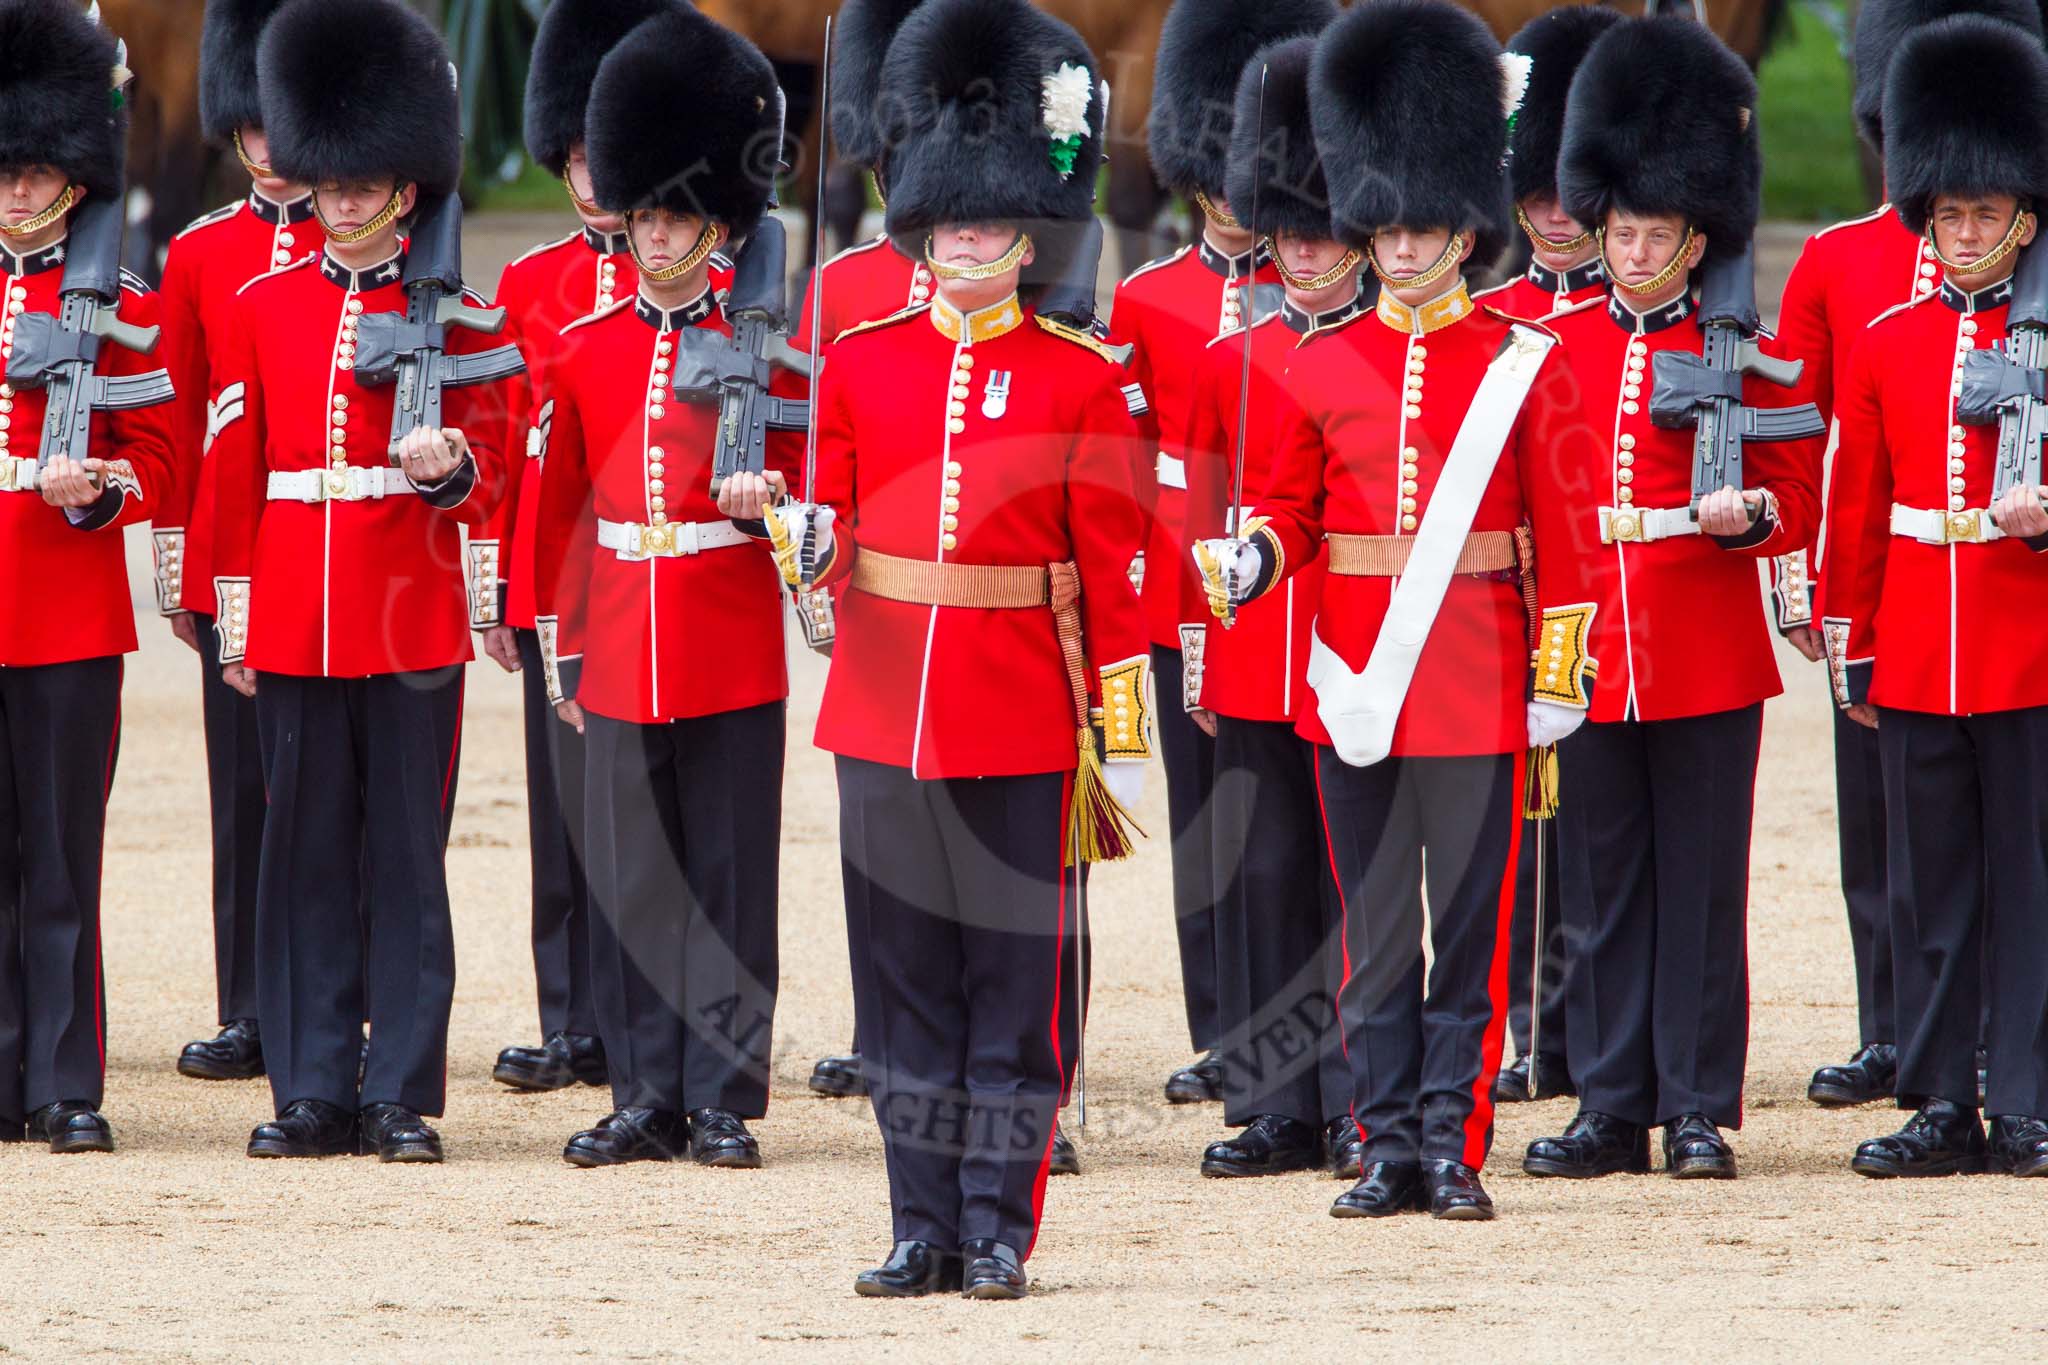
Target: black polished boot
[2019,1144]
[1552,1080]
[306,1128]
[1199,1082]
[1269,1145]
[1695,1150]
[560,1062]
[719,1137]
[398,1134]
[1386,1188]
[913,1270]
[627,1135]
[1345,1147]
[991,1270]
[1594,1144]
[1942,1138]
[1872,1074]
[1455,1192]
[1063,1159]
[235,1054]
[71,1126]
[839,1076]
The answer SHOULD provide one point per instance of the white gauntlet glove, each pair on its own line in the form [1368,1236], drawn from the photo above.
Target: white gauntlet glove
[1230,569]
[1549,722]
[801,533]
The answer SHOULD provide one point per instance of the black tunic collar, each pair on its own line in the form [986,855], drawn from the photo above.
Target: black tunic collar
[1664,315]
[36,262]
[675,319]
[1301,323]
[1569,281]
[1231,267]
[605,243]
[281,215]
[388,271]
[1990,296]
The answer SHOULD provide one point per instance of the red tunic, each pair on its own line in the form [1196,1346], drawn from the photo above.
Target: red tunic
[863,283]
[1925,627]
[1168,312]
[667,637]
[1536,294]
[1349,449]
[67,570]
[542,292]
[1257,668]
[1846,275]
[1032,474]
[1680,628]
[207,264]
[336,589]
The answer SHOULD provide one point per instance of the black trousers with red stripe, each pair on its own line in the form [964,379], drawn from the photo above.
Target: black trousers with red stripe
[956,885]
[1653,832]
[60,731]
[235,800]
[554,827]
[352,918]
[1967,803]
[1190,759]
[1280,960]
[684,825]
[1424,1047]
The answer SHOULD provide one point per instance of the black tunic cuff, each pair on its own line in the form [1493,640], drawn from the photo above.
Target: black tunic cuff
[452,491]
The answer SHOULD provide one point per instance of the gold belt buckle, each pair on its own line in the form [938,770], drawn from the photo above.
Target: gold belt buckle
[1625,525]
[656,540]
[1965,527]
[336,483]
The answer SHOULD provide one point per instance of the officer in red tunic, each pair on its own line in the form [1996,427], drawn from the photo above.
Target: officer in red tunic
[974,463]
[337,569]
[1411,452]
[542,292]
[68,622]
[206,264]
[1847,275]
[1934,558]
[682,676]
[1564,270]
[1660,155]
[1279,958]
[1168,311]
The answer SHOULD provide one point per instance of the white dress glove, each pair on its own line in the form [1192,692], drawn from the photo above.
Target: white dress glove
[1126,781]
[1549,722]
[1229,568]
[788,526]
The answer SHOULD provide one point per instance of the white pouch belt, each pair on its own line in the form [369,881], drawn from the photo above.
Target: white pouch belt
[1644,524]
[19,474]
[353,484]
[1173,471]
[636,542]
[1930,526]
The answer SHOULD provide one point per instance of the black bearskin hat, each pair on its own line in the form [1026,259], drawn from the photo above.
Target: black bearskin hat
[228,97]
[1938,142]
[1411,121]
[1662,119]
[994,113]
[718,160]
[1203,49]
[359,90]
[860,44]
[1881,25]
[1555,42]
[1291,195]
[574,37]
[57,93]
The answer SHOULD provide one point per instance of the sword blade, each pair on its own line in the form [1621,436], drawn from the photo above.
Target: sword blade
[817,318]
[1536,963]
[1244,385]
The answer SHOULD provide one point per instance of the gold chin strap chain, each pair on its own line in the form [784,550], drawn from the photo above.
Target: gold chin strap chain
[384,219]
[1002,265]
[1453,257]
[582,205]
[254,168]
[1657,281]
[46,217]
[2021,221]
[1318,283]
[1228,222]
[708,241]
[1538,240]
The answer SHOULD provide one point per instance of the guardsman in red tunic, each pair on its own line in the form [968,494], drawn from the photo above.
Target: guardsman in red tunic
[341,604]
[1564,271]
[1279,958]
[208,262]
[1936,565]
[974,466]
[69,620]
[1660,154]
[1169,311]
[1847,275]
[682,679]
[1409,454]
[542,292]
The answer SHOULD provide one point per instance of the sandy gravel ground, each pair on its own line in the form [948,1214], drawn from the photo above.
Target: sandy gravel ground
[177,1247]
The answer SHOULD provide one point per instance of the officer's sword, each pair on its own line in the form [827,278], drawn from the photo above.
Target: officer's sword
[807,553]
[1235,514]
[1080,981]
[1536,963]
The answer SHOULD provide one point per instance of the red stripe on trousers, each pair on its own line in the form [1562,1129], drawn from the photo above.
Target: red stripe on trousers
[1480,1121]
[454,749]
[1343,935]
[1059,945]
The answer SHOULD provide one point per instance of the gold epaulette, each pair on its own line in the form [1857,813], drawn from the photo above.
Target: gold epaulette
[876,324]
[1115,355]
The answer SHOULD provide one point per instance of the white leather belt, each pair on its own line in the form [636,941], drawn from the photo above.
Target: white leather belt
[19,474]
[1173,471]
[353,484]
[635,542]
[1930,526]
[1644,524]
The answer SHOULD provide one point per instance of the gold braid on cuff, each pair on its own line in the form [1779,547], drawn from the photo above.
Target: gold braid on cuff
[988,270]
[46,217]
[1453,257]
